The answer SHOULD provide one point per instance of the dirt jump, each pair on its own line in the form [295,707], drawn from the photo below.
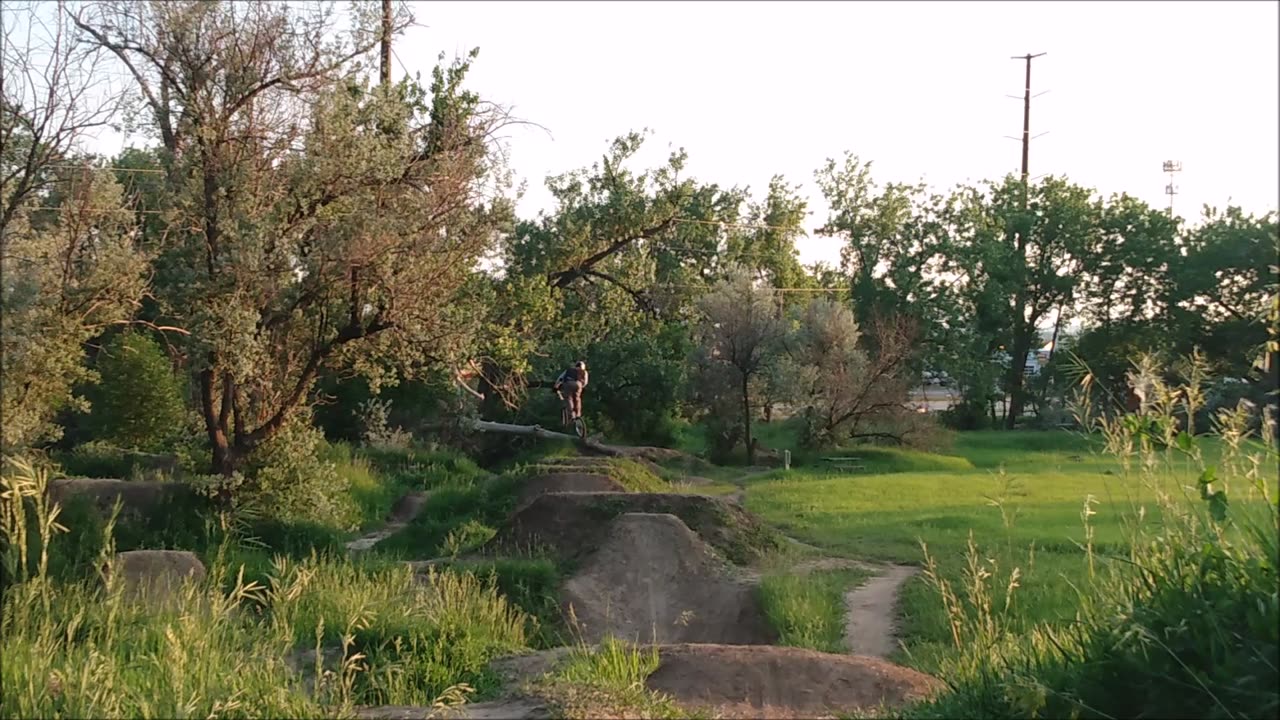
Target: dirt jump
[680,572]
[654,581]
[568,525]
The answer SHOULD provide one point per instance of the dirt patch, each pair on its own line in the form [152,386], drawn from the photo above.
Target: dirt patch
[871,613]
[654,581]
[157,574]
[408,507]
[570,525]
[783,682]
[566,482]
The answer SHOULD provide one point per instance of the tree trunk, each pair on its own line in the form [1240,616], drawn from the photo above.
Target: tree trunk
[746,419]
[217,425]
[1017,376]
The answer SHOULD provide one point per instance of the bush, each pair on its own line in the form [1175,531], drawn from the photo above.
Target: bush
[137,403]
[966,415]
[288,476]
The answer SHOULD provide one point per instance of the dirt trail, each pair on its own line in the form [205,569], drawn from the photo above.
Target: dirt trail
[871,612]
[402,513]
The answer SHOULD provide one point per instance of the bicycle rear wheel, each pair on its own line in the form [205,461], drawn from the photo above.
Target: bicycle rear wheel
[580,427]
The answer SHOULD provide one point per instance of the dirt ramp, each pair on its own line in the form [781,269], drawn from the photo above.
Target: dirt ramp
[571,525]
[566,482]
[138,498]
[654,581]
[783,682]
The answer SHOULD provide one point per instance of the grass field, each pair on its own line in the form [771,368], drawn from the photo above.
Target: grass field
[1020,495]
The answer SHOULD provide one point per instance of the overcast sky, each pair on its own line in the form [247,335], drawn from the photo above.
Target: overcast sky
[751,89]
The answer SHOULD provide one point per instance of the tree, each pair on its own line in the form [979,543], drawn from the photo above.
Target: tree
[842,391]
[319,222]
[138,404]
[70,267]
[737,335]
[1020,259]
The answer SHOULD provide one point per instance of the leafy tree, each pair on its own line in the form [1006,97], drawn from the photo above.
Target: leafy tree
[70,274]
[317,222]
[138,403]
[841,391]
[737,336]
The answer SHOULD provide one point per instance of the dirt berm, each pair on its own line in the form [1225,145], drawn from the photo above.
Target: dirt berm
[654,581]
[571,525]
[566,482]
[734,681]
[138,498]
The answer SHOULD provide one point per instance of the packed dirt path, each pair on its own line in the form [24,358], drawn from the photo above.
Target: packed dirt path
[402,513]
[870,625]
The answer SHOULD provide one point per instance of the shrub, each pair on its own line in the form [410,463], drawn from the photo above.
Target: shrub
[288,476]
[137,403]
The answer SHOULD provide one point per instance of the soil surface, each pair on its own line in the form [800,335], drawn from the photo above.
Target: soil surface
[566,482]
[782,682]
[654,581]
[402,513]
[571,525]
[871,613]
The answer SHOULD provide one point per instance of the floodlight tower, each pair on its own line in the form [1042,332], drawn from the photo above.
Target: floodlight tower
[1171,167]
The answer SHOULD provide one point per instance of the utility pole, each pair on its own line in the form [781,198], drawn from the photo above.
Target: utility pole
[1026,123]
[386,42]
[1171,167]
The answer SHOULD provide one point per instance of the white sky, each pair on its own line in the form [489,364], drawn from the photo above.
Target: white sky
[756,88]
[751,89]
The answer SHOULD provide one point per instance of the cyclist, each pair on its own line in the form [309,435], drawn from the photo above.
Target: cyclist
[569,387]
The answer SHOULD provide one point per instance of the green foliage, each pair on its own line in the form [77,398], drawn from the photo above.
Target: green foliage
[138,401]
[288,478]
[420,636]
[469,512]
[610,675]
[66,278]
[1184,621]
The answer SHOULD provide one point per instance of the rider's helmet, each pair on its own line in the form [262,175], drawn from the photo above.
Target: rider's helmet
[581,364]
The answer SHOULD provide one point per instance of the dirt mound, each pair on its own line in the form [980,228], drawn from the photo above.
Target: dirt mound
[654,581]
[782,682]
[569,525]
[156,574]
[137,497]
[566,482]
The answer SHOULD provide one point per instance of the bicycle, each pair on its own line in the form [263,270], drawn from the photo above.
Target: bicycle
[579,425]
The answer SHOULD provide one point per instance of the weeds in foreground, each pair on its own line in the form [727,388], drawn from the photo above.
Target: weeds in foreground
[1186,623]
[94,649]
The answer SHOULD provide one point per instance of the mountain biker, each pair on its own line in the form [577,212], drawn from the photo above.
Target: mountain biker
[569,387]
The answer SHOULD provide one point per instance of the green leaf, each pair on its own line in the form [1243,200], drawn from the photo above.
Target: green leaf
[1209,476]
[1184,441]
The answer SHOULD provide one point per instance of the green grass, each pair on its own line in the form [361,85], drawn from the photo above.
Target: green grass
[808,611]
[1027,515]
[606,680]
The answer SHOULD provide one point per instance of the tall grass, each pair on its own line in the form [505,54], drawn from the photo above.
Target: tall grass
[88,648]
[607,680]
[1184,622]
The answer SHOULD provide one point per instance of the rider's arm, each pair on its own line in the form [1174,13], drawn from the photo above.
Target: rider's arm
[584,378]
